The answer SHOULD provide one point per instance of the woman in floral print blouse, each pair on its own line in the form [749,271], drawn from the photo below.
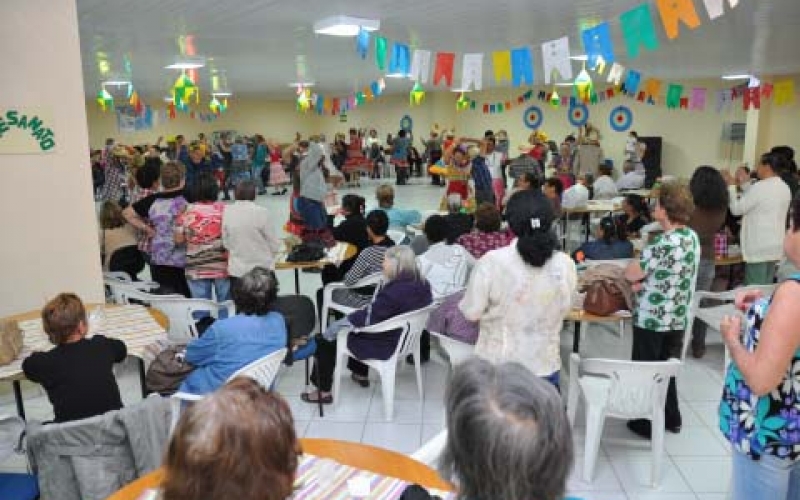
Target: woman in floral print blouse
[760,408]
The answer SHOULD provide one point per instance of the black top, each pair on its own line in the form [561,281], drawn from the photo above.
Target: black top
[353,230]
[142,207]
[78,377]
[457,224]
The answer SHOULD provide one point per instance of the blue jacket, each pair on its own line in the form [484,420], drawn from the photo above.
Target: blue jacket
[400,218]
[600,250]
[230,344]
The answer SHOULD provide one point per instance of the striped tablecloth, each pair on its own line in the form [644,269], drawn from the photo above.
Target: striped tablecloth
[131,324]
[321,478]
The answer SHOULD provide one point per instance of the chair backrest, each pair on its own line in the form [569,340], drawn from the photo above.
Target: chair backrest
[118,276]
[262,370]
[430,452]
[371,280]
[396,235]
[637,387]
[412,323]
[180,311]
[134,292]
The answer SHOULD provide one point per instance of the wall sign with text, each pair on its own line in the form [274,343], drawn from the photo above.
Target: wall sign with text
[26,130]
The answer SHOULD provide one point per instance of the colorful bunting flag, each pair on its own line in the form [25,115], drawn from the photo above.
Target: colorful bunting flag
[380,52]
[362,43]
[698,100]
[638,30]
[420,66]
[632,82]
[444,68]
[615,73]
[752,98]
[501,61]
[652,87]
[784,92]
[674,92]
[521,66]
[673,12]
[715,8]
[598,45]
[472,72]
[400,62]
[555,57]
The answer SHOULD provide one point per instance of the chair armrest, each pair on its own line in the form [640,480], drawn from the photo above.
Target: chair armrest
[229,306]
[186,396]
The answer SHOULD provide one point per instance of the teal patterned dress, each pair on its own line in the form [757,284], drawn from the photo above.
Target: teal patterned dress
[769,424]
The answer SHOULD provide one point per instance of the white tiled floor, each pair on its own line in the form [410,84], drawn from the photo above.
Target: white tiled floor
[696,465]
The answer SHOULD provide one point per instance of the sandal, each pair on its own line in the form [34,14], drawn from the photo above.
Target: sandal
[307,397]
[363,382]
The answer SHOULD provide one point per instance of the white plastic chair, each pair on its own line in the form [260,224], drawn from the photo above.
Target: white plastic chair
[263,370]
[619,389]
[397,236]
[616,262]
[457,351]
[119,282]
[180,311]
[412,324]
[328,304]
[712,315]
[430,452]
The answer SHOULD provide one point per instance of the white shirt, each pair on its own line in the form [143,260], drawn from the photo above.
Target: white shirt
[604,188]
[248,235]
[576,196]
[763,208]
[631,180]
[521,308]
[446,267]
[494,162]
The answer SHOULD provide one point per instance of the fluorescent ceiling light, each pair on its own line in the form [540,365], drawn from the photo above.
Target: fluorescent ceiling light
[737,77]
[397,75]
[582,57]
[460,90]
[117,83]
[192,62]
[301,84]
[168,98]
[222,93]
[565,84]
[345,25]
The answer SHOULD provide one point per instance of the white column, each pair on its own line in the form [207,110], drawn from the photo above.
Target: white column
[49,229]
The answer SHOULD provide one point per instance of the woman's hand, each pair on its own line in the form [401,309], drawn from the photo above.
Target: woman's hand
[730,328]
[744,299]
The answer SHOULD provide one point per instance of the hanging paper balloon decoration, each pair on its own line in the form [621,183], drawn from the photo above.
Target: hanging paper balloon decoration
[463,102]
[183,90]
[417,95]
[555,99]
[105,100]
[584,86]
[214,105]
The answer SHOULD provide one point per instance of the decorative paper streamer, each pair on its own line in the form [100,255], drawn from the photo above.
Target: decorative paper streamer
[533,117]
[362,43]
[578,115]
[472,72]
[637,29]
[698,100]
[615,73]
[652,87]
[444,68]
[715,8]
[632,82]
[752,98]
[555,57]
[784,92]
[521,66]
[501,61]
[598,45]
[620,118]
[420,66]
[380,52]
[400,62]
[674,92]
[673,12]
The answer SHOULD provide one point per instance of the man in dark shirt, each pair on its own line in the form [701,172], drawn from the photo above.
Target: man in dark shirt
[196,165]
[76,374]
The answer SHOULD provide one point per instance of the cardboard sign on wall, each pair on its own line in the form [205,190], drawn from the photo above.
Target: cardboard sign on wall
[26,130]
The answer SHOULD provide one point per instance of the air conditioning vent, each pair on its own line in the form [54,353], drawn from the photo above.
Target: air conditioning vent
[733,131]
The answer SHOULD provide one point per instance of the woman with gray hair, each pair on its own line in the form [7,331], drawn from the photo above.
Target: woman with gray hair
[508,437]
[231,343]
[403,290]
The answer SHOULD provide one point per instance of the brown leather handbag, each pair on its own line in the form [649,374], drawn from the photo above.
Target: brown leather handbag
[10,341]
[603,298]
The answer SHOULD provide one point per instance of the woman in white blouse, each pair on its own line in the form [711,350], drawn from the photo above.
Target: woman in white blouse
[521,293]
[763,208]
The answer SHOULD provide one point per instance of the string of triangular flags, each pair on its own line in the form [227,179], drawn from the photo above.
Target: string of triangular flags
[323,105]
[516,65]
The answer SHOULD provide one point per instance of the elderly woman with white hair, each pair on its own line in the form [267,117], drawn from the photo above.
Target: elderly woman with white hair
[508,437]
[403,290]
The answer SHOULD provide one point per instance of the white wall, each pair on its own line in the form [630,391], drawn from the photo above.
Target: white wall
[49,229]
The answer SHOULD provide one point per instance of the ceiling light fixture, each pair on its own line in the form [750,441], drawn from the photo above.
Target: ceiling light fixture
[581,57]
[301,84]
[739,76]
[187,62]
[222,93]
[117,83]
[565,84]
[345,25]
[397,75]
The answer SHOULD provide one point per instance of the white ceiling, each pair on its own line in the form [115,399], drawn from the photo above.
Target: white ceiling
[257,42]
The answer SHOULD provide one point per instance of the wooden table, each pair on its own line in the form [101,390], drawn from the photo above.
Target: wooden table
[281,264]
[580,317]
[360,456]
[13,371]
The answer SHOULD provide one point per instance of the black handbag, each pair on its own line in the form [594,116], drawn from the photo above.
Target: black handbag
[311,251]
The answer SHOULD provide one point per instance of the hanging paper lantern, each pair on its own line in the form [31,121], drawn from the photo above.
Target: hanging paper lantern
[303,100]
[417,94]
[224,106]
[463,102]
[183,90]
[584,86]
[555,99]
[214,105]
[105,100]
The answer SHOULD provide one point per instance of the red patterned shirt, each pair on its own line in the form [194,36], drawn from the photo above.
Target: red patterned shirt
[206,258]
[478,243]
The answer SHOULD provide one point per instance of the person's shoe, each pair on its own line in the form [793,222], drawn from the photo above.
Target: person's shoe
[362,381]
[284,190]
[262,192]
[698,351]
[643,428]
[316,397]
